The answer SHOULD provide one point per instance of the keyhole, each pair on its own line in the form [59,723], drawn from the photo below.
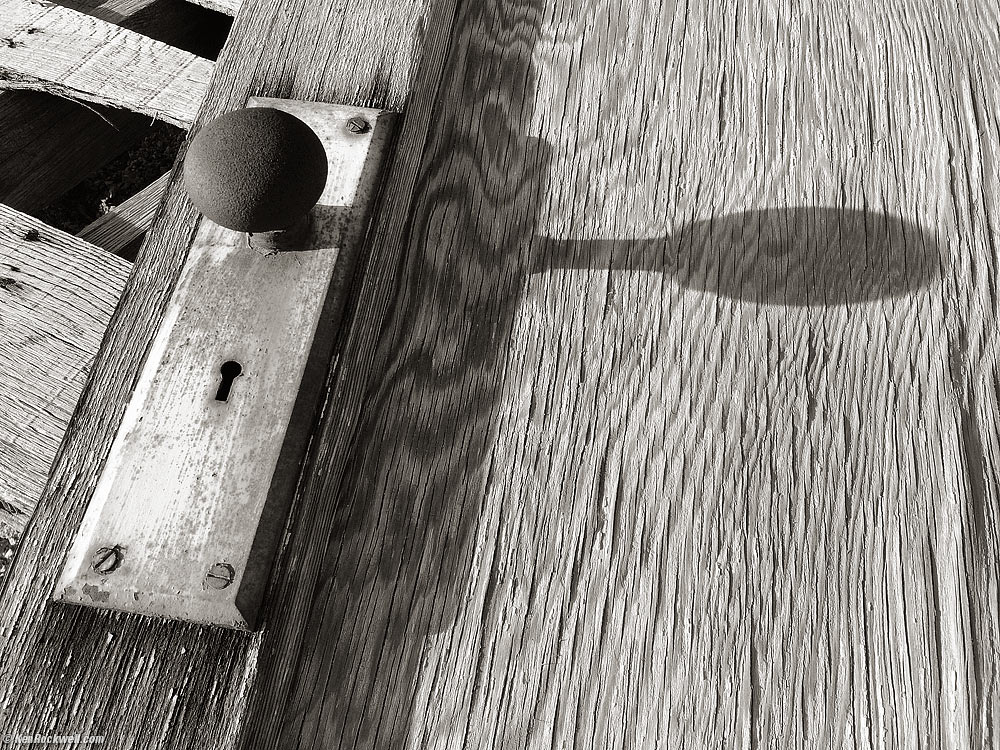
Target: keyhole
[230,371]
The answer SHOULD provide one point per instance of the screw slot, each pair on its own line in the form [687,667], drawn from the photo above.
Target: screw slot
[220,576]
[358,125]
[107,559]
[230,371]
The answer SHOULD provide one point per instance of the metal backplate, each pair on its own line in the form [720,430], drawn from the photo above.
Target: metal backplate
[187,515]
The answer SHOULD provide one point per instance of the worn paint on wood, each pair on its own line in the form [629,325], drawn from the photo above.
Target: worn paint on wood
[198,478]
[57,294]
[573,487]
[45,47]
[128,221]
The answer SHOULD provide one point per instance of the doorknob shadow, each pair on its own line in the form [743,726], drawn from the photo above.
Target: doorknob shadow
[798,256]
[420,477]
[423,469]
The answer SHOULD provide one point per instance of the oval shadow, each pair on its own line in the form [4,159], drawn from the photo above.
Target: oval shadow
[797,256]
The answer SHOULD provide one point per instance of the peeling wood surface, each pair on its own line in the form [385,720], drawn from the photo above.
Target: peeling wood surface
[667,411]
[45,47]
[57,294]
[126,222]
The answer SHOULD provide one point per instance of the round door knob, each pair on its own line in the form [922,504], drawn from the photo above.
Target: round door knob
[257,170]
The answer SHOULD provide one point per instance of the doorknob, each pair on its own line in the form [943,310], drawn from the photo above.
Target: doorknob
[194,495]
[258,170]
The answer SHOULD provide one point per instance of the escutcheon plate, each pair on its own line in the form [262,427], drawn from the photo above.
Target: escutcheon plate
[196,490]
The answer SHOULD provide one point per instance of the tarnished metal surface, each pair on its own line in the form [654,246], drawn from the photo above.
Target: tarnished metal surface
[195,493]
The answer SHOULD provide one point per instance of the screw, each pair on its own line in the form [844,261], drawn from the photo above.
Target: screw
[107,559]
[220,576]
[358,125]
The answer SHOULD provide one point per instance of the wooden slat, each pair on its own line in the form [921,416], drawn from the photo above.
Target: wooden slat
[46,47]
[126,222]
[57,141]
[593,472]
[175,22]
[229,7]
[57,294]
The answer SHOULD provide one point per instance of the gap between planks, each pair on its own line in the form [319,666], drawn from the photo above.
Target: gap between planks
[71,54]
[120,227]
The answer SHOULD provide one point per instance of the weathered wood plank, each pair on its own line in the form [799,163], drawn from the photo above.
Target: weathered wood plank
[372,54]
[179,24]
[229,7]
[126,222]
[58,50]
[650,469]
[57,294]
[604,463]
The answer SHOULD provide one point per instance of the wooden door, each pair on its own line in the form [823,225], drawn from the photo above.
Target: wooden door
[663,413]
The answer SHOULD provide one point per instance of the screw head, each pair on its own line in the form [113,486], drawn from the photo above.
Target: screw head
[220,576]
[358,125]
[107,559]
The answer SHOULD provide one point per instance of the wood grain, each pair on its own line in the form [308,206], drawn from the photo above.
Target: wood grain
[57,294]
[177,23]
[605,461]
[637,487]
[61,51]
[128,221]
